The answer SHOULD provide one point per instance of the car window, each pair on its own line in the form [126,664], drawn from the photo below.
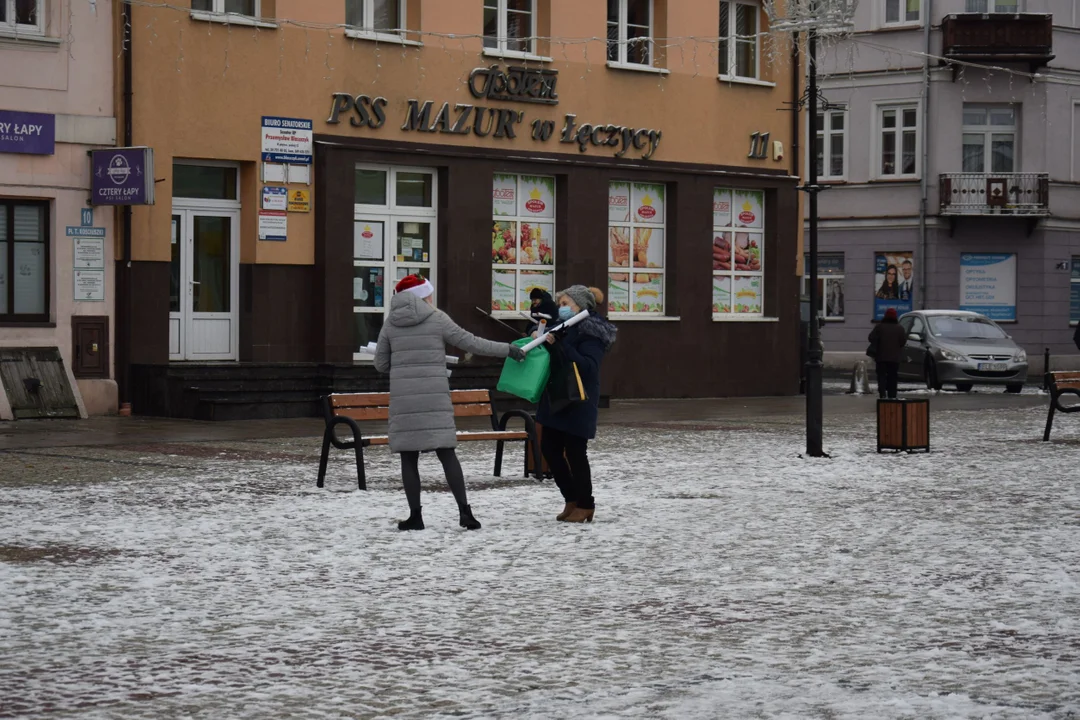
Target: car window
[918,326]
[906,323]
[963,327]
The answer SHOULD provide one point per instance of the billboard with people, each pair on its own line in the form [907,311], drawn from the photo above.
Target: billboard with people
[894,283]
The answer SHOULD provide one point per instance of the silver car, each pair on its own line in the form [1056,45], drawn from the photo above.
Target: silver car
[962,349]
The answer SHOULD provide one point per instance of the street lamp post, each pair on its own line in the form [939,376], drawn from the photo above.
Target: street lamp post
[814,411]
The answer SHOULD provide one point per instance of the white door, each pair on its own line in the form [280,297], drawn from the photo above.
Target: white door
[203,318]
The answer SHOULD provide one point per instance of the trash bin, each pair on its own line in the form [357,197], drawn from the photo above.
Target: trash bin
[903,425]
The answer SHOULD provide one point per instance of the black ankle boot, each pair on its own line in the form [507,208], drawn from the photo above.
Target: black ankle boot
[415,521]
[467,520]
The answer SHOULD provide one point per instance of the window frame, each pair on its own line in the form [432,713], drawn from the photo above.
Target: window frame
[7,205]
[218,15]
[502,14]
[883,8]
[826,281]
[517,219]
[988,131]
[391,212]
[758,234]
[622,43]
[733,43]
[899,105]
[825,141]
[992,7]
[20,29]
[630,270]
[367,30]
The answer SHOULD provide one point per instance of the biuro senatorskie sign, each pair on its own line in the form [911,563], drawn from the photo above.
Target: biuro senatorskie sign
[515,84]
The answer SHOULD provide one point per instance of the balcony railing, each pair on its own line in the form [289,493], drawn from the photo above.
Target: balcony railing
[1026,194]
[1022,37]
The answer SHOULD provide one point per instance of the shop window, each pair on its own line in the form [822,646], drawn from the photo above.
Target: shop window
[830,285]
[249,8]
[394,235]
[898,141]
[636,250]
[522,240]
[738,253]
[629,32]
[24,261]
[22,17]
[902,12]
[1074,292]
[375,17]
[739,42]
[831,158]
[989,138]
[510,26]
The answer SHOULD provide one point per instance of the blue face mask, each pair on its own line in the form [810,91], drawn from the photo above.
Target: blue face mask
[565,312]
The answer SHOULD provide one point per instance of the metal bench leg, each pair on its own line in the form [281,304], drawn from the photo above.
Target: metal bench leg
[324,457]
[498,457]
[1050,418]
[361,478]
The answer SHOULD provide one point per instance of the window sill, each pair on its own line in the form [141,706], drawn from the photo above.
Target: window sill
[642,317]
[232,19]
[514,55]
[634,67]
[894,179]
[736,80]
[893,27]
[28,38]
[379,37]
[27,324]
[727,317]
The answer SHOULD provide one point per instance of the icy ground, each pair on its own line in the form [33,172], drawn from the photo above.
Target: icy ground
[724,578]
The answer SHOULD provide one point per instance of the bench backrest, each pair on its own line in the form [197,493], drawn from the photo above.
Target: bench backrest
[1065,380]
[376,406]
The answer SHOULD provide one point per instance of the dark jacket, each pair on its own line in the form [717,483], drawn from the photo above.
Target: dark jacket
[584,344]
[889,338]
[1076,336]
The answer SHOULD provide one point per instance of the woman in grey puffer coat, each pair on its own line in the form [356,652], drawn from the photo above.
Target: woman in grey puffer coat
[412,348]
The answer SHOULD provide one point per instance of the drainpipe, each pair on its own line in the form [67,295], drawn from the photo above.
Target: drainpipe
[123,306]
[796,80]
[925,174]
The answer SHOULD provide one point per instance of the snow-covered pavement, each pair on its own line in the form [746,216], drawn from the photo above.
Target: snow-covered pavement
[725,577]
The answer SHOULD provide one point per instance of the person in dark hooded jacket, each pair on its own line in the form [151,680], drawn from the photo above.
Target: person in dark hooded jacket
[888,339]
[543,308]
[570,424]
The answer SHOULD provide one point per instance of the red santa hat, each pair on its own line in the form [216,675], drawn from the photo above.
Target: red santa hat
[415,284]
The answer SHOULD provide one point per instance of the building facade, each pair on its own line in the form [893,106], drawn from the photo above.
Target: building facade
[310,154]
[56,252]
[951,154]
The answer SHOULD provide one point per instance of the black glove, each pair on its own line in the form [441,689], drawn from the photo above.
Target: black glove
[517,353]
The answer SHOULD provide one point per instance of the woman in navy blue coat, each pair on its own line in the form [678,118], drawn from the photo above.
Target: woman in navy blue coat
[570,422]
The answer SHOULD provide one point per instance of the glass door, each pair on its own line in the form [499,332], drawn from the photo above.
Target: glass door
[203,285]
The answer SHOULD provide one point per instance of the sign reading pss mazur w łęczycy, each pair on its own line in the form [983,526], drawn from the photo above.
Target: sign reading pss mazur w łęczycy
[27,133]
[122,176]
[286,140]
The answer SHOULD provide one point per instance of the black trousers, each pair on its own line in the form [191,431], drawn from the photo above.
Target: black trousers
[887,379]
[568,457]
[410,476]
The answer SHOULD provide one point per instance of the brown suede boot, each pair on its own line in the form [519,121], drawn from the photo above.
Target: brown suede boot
[581,515]
[570,507]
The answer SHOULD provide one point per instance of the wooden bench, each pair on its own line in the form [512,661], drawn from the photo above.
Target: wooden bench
[1059,384]
[352,408]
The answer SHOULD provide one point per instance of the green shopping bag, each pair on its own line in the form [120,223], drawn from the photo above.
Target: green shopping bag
[526,379]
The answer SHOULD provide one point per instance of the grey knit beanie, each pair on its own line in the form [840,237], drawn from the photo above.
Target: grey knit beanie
[582,296]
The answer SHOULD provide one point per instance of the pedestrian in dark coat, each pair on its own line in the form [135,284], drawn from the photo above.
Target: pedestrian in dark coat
[412,348]
[568,426]
[888,339]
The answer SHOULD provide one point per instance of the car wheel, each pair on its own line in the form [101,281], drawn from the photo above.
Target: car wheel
[1014,388]
[964,387]
[932,382]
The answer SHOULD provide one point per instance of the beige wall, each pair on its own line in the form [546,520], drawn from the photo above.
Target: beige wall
[68,74]
[201,89]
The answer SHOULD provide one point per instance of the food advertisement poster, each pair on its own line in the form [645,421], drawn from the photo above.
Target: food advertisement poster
[648,203]
[619,202]
[988,285]
[894,283]
[721,293]
[619,292]
[537,244]
[721,207]
[747,252]
[747,294]
[529,280]
[648,293]
[748,207]
[537,197]
[721,251]
[619,246]
[504,195]
[648,247]
[504,243]
[503,290]
[368,240]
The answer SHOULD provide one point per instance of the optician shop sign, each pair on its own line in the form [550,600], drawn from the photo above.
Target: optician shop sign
[512,85]
[122,176]
[27,133]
